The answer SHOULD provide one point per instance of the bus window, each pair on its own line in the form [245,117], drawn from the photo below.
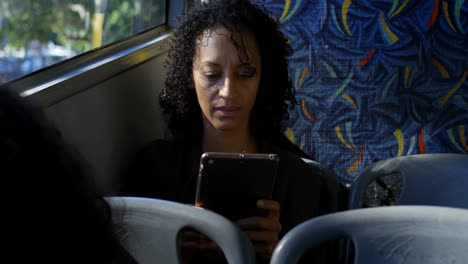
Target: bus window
[36,34]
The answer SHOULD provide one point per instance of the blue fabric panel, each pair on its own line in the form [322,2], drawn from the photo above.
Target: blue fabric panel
[376,79]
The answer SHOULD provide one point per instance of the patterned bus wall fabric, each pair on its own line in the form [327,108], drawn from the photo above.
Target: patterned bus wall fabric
[376,79]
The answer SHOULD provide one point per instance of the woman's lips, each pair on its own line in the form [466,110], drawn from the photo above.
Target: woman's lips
[227,111]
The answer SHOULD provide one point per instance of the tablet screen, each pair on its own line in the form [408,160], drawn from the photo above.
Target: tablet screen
[231,183]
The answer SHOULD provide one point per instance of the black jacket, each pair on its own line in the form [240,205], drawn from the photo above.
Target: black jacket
[168,170]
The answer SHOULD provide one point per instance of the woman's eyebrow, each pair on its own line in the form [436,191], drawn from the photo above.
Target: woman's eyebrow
[209,63]
[206,64]
[248,65]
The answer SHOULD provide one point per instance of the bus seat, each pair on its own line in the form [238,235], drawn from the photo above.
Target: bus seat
[149,228]
[396,234]
[424,179]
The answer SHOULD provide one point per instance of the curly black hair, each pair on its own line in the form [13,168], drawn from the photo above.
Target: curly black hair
[54,193]
[275,94]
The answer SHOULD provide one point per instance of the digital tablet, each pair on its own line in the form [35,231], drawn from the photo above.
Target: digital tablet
[231,183]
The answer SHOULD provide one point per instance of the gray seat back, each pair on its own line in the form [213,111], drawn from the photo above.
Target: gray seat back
[395,234]
[149,228]
[426,179]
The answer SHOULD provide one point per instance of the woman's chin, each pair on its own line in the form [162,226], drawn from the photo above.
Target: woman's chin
[226,125]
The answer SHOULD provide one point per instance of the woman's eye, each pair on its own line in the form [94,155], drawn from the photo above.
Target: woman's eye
[249,72]
[211,76]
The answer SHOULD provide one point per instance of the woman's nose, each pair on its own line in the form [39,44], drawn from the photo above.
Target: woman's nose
[228,88]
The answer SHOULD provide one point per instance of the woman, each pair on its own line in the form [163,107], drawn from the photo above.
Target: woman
[228,90]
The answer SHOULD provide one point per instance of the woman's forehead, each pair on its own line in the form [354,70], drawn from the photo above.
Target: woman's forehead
[240,43]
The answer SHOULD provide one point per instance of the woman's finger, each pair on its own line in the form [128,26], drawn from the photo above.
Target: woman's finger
[272,206]
[264,236]
[257,222]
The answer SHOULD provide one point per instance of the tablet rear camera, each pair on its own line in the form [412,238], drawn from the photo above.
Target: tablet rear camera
[210,161]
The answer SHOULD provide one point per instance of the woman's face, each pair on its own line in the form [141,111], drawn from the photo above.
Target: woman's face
[226,80]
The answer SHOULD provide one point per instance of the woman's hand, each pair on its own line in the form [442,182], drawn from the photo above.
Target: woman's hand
[192,243]
[263,231]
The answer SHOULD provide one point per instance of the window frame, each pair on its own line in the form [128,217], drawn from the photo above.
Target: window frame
[62,80]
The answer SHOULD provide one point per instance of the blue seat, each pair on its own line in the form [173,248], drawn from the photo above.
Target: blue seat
[424,179]
[391,235]
[149,228]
